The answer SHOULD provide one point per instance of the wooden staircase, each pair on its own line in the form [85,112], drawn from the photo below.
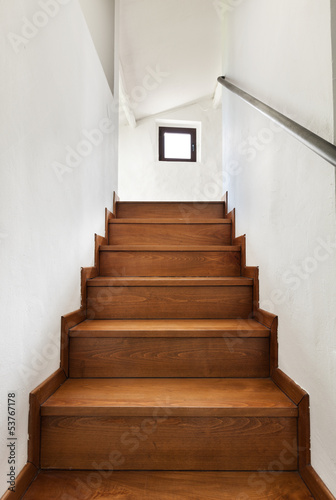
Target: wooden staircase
[165,388]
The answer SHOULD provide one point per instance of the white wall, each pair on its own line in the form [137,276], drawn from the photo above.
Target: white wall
[99,15]
[333,40]
[53,88]
[280,51]
[142,177]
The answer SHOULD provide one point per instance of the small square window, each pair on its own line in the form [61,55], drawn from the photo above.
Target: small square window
[177,144]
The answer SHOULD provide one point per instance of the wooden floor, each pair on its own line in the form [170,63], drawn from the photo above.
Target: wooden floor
[97,485]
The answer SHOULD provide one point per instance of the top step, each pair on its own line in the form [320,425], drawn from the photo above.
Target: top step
[167,210]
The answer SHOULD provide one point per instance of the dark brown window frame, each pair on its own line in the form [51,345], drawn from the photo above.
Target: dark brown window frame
[178,130]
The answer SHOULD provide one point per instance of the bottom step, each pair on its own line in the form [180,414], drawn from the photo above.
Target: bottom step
[167,486]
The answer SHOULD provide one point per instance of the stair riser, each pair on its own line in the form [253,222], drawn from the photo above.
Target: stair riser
[179,210]
[169,443]
[169,234]
[193,357]
[169,263]
[169,302]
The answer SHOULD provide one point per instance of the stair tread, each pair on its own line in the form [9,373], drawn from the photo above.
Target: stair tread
[180,396]
[169,281]
[57,485]
[169,248]
[170,328]
[169,221]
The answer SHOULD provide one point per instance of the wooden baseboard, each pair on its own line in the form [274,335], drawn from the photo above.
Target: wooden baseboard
[315,484]
[288,386]
[253,273]
[23,481]
[270,321]
[232,217]
[69,321]
[304,433]
[114,209]
[246,271]
[87,273]
[99,240]
[225,199]
[37,397]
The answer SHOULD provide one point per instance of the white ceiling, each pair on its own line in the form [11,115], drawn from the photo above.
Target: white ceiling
[181,38]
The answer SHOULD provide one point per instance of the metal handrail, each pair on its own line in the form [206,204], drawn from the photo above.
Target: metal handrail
[323,148]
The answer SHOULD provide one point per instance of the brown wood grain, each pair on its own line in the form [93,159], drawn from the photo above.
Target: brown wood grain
[167,443]
[270,321]
[288,386]
[247,271]
[253,273]
[108,216]
[114,204]
[232,216]
[169,263]
[241,242]
[164,221]
[121,233]
[169,302]
[22,483]
[78,485]
[176,374]
[263,317]
[182,396]
[170,234]
[159,357]
[225,199]
[86,274]
[67,322]
[167,328]
[180,210]
[315,484]
[274,347]
[99,241]
[170,248]
[171,281]
[304,433]
[36,398]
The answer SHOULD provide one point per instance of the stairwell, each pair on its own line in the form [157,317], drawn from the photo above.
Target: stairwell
[169,386]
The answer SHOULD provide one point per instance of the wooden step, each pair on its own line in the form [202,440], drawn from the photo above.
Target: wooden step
[180,210]
[222,328]
[215,349]
[180,396]
[117,260]
[170,232]
[81,485]
[164,281]
[224,424]
[164,298]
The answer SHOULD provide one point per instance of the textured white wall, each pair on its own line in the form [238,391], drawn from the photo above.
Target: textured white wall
[100,19]
[280,51]
[333,40]
[54,96]
[142,177]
